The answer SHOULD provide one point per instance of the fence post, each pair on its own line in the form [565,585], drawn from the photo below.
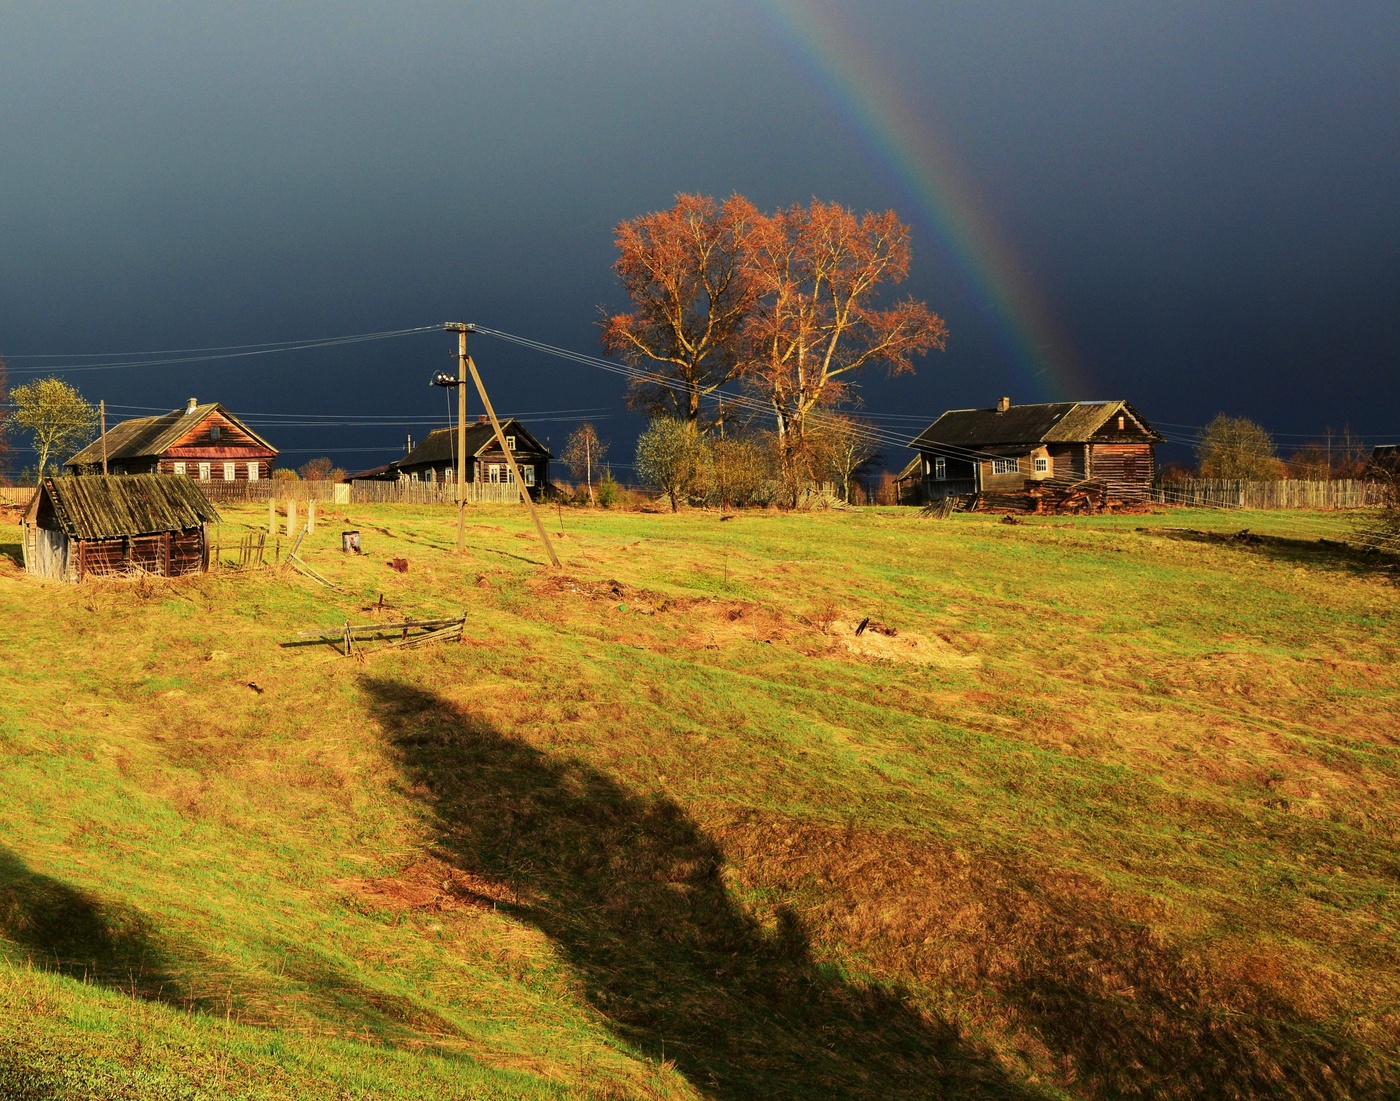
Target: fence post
[291,516]
[272,516]
[311,516]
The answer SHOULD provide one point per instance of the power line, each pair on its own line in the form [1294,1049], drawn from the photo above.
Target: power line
[241,352]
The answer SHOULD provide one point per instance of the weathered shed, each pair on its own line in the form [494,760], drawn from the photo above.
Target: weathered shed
[83,525]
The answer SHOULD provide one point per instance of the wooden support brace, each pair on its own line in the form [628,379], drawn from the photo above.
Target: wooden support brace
[515,470]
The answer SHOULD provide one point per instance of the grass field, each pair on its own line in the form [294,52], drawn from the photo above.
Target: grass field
[1111,813]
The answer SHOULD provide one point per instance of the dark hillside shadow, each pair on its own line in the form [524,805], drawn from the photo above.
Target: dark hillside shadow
[1315,554]
[14,552]
[630,890]
[65,930]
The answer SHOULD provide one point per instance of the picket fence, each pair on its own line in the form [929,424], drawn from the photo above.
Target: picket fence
[1284,494]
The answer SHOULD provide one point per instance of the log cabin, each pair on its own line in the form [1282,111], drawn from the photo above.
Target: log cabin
[85,525]
[434,460]
[204,442]
[1007,449]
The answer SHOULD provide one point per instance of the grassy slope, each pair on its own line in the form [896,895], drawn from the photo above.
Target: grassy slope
[1121,819]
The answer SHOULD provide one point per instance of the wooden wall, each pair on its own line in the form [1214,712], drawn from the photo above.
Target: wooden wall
[1127,468]
[166,554]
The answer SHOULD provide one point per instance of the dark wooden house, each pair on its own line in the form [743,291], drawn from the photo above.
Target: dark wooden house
[80,526]
[435,459]
[1006,450]
[204,442]
[1384,461]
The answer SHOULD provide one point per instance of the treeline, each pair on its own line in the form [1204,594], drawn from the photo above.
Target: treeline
[734,469]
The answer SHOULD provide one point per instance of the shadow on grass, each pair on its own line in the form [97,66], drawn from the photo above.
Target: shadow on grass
[65,930]
[14,552]
[631,891]
[1308,553]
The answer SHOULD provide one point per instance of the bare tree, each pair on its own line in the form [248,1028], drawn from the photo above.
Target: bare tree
[816,273]
[1236,448]
[583,453]
[683,269]
[317,469]
[841,447]
[55,415]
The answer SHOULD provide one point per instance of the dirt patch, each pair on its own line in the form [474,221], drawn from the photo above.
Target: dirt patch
[429,885]
[885,643]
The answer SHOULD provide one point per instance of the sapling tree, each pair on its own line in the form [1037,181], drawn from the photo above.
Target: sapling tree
[55,415]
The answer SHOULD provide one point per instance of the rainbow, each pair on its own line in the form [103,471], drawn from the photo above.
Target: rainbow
[924,162]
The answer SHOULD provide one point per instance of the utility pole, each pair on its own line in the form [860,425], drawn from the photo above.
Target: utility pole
[102,412]
[447,380]
[461,330]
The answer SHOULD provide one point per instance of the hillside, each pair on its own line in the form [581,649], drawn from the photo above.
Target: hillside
[1086,811]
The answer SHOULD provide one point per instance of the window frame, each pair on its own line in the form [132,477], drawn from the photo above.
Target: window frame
[510,443]
[230,472]
[1006,466]
[1042,464]
[254,472]
[940,469]
[178,468]
[206,472]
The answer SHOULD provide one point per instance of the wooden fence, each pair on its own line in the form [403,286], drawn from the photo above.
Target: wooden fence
[1284,494]
[16,495]
[362,492]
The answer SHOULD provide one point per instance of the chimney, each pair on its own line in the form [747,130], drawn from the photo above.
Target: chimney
[1003,404]
[483,419]
[409,445]
[192,406]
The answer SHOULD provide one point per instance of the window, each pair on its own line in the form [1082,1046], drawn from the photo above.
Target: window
[203,472]
[510,443]
[1042,465]
[179,468]
[1005,466]
[940,468]
[447,475]
[510,475]
[214,432]
[493,473]
[529,473]
[1122,423]
[230,472]
[252,472]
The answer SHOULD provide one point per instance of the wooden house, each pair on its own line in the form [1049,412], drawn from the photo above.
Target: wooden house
[1384,461]
[204,442]
[435,459]
[1006,450]
[86,525]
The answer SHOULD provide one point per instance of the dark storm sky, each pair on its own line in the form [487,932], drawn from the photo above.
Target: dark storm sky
[1207,196]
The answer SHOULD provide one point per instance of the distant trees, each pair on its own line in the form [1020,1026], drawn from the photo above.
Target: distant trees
[1236,448]
[786,303]
[320,469]
[4,402]
[56,417]
[841,448]
[583,455]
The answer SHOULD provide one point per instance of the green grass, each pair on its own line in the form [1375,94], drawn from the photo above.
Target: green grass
[1112,813]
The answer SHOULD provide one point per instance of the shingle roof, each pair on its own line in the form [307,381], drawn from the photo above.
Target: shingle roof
[149,436]
[96,507]
[1024,425]
[440,445]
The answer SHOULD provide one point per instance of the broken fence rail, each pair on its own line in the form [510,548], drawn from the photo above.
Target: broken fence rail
[352,635]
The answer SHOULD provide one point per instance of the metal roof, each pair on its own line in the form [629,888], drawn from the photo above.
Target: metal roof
[94,506]
[150,436]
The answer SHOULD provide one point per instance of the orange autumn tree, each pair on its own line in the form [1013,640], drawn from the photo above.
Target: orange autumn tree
[683,270]
[815,275]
